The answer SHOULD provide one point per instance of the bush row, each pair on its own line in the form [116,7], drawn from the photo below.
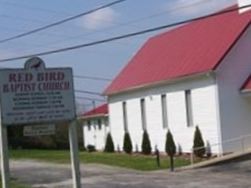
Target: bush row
[170,147]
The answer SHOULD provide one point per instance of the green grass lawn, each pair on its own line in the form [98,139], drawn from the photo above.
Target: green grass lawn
[138,162]
[15,185]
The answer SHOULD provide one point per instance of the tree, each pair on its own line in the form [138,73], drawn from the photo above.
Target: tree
[146,144]
[127,143]
[170,148]
[198,143]
[109,146]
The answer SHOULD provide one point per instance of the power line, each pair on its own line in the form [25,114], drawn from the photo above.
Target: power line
[90,99]
[61,21]
[83,77]
[44,33]
[92,78]
[130,23]
[5,16]
[88,92]
[123,36]
[33,8]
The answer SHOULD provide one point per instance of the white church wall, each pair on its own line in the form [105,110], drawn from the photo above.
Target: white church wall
[203,92]
[235,109]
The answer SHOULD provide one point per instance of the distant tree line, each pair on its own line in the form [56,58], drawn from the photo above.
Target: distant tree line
[16,139]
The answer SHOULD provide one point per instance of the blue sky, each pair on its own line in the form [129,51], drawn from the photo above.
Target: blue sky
[104,60]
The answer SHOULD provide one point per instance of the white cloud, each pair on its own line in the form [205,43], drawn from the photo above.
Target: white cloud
[197,7]
[99,19]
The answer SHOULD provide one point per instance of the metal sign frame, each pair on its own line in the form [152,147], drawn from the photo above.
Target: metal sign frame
[38,64]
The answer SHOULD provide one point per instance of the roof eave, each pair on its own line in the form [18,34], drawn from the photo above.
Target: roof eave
[85,117]
[244,91]
[163,82]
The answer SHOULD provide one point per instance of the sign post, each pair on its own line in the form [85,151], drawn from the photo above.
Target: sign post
[37,96]
[5,171]
[73,139]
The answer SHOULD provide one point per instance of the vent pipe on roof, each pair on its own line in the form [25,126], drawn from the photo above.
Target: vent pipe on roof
[244,3]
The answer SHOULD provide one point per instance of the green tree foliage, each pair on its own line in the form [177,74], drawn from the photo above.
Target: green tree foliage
[170,145]
[59,140]
[127,143]
[109,146]
[170,148]
[198,143]
[146,144]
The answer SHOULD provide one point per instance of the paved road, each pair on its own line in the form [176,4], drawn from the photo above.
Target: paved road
[46,175]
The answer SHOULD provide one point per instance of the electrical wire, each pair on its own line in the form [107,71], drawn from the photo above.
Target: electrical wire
[92,78]
[119,25]
[82,76]
[33,8]
[61,21]
[88,92]
[90,99]
[123,36]
[130,23]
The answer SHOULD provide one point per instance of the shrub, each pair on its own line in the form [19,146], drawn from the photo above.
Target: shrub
[198,143]
[127,143]
[146,145]
[170,145]
[170,148]
[91,148]
[109,146]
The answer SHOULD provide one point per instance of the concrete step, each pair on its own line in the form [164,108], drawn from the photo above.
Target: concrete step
[237,156]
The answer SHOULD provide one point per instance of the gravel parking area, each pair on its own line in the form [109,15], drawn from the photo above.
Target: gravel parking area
[47,175]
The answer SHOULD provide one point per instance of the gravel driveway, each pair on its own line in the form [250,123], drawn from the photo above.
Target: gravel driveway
[47,175]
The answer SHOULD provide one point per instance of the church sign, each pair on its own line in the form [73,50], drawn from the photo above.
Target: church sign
[38,97]
[36,94]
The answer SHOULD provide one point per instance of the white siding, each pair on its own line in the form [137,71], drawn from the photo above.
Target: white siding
[235,110]
[204,113]
[116,124]
[182,134]
[89,135]
[95,136]
[154,122]
[204,116]
[134,122]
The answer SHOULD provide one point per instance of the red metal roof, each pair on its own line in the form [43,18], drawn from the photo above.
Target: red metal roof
[196,47]
[247,85]
[99,111]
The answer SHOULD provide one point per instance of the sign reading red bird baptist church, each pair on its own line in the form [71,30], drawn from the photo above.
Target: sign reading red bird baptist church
[36,94]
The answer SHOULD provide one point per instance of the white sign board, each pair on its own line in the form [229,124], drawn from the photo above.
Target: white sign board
[39,130]
[36,94]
